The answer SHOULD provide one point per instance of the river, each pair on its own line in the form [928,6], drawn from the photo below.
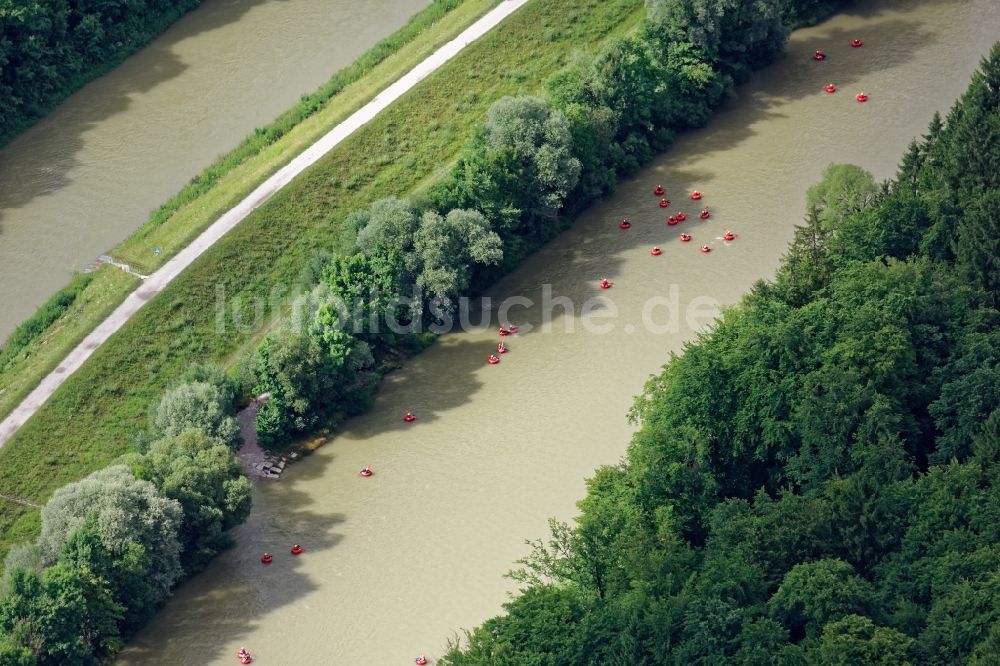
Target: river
[397,563]
[88,174]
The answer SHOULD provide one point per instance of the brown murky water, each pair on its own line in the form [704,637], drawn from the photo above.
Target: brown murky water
[87,175]
[395,564]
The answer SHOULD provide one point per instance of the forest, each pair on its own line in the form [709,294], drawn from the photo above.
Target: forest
[817,479]
[50,48]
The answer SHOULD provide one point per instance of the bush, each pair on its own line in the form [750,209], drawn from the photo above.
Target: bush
[196,405]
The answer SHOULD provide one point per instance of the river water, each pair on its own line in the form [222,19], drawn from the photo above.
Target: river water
[86,176]
[397,563]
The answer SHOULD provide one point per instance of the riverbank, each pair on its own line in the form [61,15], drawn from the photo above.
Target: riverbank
[230,179]
[88,421]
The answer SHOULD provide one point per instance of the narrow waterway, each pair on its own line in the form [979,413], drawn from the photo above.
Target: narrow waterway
[395,564]
[88,174]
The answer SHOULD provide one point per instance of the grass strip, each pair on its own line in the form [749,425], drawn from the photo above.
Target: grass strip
[23,366]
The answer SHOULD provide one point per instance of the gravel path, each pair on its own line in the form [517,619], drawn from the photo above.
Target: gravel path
[162,277]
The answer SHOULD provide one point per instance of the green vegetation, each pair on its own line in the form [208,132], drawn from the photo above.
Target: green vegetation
[197,405]
[39,344]
[816,480]
[30,329]
[50,49]
[90,419]
[306,376]
[114,544]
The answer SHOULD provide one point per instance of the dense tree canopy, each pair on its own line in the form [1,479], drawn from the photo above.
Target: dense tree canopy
[124,510]
[195,405]
[66,615]
[309,375]
[114,544]
[449,247]
[816,480]
[48,48]
[201,474]
[518,171]
[737,34]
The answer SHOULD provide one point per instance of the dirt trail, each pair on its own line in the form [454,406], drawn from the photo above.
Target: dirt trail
[20,500]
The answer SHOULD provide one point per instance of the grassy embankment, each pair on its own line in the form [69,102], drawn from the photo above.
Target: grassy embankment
[40,343]
[87,422]
[230,178]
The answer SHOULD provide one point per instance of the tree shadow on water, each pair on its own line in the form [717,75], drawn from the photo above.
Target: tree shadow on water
[231,600]
[430,384]
[888,43]
[40,159]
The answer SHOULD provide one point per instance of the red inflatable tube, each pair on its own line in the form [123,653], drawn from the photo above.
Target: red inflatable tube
[624,224]
[266,558]
[658,190]
[861,97]
[664,202]
[696,195]
[706,249]
[685,238]
[655,251]
[819,55]
[672,220]
[244,656]
[502,348]
[681,217]
[502,332]
[365,472]
[297,549]
[492,360]
[409,418]
[830,88]
[606,284]
[420,661]
[704,214]
[855,43]
[729,235]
